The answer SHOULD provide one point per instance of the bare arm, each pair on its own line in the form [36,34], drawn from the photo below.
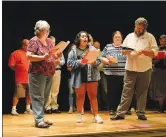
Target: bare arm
[12,68]
[153,48]
[36,58]
[148,53]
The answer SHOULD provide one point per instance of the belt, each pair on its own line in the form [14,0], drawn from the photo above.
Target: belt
[58,68]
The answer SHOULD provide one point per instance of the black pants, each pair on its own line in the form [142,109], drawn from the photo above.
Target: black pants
[114,87]
[102,92]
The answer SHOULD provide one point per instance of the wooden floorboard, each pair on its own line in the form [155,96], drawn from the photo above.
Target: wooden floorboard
[65,125]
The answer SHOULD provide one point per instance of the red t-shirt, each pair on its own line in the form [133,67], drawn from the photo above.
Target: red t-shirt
[19,60]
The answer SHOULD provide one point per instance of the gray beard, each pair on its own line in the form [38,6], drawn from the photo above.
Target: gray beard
[140,34]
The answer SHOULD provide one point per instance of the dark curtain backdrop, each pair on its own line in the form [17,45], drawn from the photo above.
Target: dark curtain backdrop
[66,20]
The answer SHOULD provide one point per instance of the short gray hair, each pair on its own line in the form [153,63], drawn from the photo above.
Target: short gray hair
[40,25]
[142,21]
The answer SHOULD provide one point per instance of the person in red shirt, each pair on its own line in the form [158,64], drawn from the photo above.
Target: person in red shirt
[19,64]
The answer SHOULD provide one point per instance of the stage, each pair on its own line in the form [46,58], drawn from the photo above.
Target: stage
[65,125]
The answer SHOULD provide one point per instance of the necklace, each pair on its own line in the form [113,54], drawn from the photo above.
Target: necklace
[82,49]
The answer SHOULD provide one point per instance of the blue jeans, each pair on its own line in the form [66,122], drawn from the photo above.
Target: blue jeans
[39,86]
[71,94]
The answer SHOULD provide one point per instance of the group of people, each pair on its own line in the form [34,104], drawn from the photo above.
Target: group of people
[110,84]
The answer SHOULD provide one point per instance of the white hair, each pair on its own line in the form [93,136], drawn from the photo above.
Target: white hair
[40,25]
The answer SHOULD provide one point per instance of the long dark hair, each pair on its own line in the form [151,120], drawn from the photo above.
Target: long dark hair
[77,39]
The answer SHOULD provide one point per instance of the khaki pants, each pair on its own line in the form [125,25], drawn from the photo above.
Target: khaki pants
[137,82]
[53,97]
[21,90]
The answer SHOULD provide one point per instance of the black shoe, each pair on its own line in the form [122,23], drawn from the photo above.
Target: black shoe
[128,113]
[48,111]
[116,117]
[142,117]
[161,110]
[56,111]
[112,112]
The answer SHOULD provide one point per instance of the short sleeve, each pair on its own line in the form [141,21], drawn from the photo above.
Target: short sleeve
[12,59]
[32,46]
[125,42]
[153,45]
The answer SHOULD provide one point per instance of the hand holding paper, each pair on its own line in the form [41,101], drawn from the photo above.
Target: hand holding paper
[90,57]
[112,59]
[105,60]
[127,51]
[59,48]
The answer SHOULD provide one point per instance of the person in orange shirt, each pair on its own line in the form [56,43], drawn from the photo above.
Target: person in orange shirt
[19,64]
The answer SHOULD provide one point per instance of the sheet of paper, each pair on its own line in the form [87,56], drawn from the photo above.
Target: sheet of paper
[91,56]
[59,47]
[160,55]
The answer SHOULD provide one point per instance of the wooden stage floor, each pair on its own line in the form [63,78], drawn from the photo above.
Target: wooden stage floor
[65,125]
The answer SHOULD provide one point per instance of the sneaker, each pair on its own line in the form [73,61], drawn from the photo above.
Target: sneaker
[133,109]
[28,111]
[14,112]
[70,110]
[79,118]
[97,119]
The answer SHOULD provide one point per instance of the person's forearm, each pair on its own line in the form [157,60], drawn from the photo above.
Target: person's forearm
[149,53]
[12,68]
[35,58]
[62,62]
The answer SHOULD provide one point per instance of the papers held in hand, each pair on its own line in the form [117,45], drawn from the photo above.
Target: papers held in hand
[160,55]
[109,60]
[59,48]
[90,57]
[126,48]
[112,59]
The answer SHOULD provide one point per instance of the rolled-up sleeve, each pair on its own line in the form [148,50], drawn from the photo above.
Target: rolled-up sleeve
[125,42]
[153,45]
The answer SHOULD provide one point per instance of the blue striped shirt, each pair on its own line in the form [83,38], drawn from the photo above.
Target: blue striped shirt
[117,68]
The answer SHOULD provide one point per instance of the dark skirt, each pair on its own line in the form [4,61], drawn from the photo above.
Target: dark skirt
[158,84]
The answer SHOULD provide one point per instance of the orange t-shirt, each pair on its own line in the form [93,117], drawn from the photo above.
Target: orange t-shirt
[19,60]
